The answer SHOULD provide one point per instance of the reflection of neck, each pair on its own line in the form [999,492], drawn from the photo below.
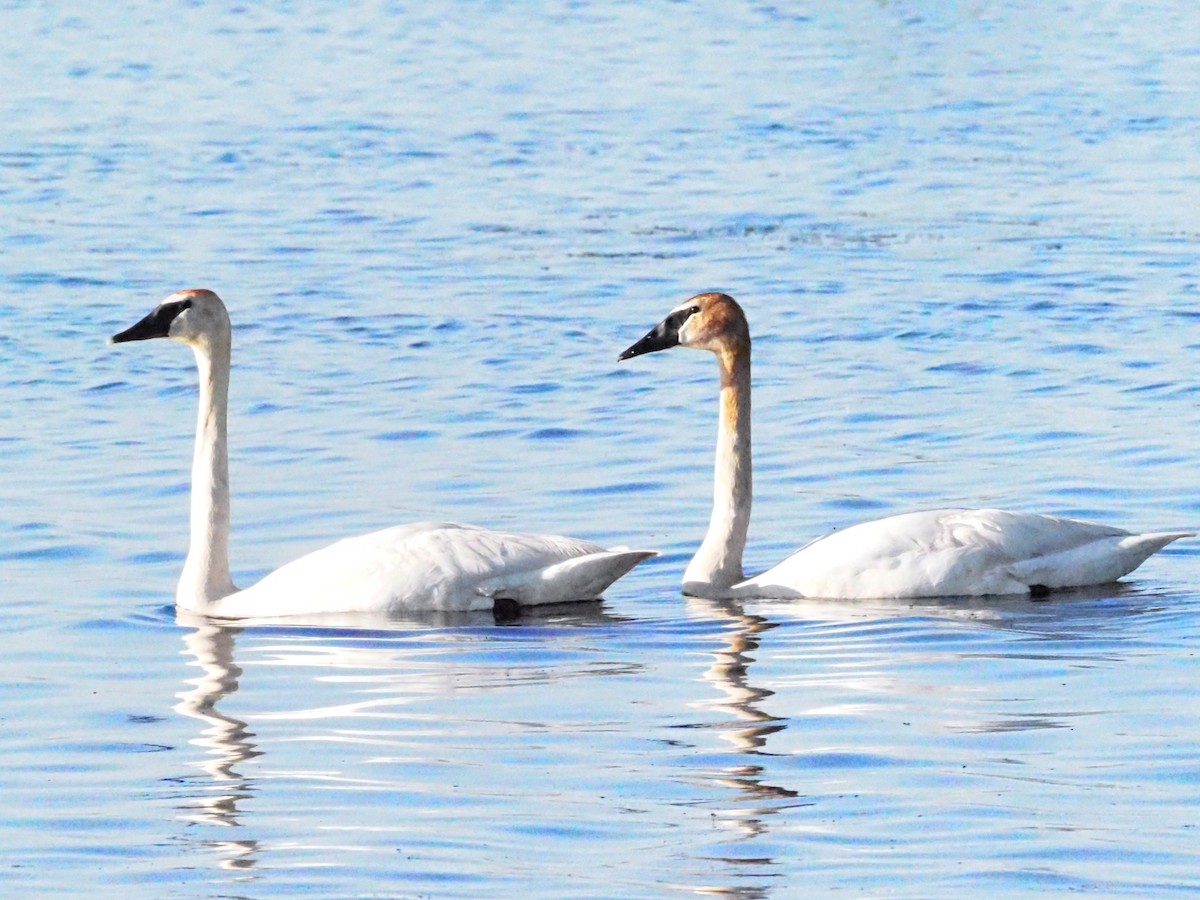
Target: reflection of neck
[717,565]
[225,738]
[752,725]
[205,578]
[731,673]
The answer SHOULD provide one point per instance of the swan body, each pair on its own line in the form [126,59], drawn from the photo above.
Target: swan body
[440,566]
[423,566]
[932,553]
[956,552]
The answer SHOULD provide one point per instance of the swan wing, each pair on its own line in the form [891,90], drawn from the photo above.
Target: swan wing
[950,552]
[434,566]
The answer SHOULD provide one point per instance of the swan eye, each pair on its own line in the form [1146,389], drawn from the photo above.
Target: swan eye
[167,313]
[680,317]
[672,323]
[179,306]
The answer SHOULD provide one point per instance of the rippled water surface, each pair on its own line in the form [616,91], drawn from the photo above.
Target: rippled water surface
[966,236]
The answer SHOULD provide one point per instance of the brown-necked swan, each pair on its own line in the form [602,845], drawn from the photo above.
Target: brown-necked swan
[934,553]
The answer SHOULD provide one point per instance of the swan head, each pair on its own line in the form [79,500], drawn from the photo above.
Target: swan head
[195,317]
[711,321]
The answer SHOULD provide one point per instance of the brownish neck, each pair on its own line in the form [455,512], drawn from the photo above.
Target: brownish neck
[718,562]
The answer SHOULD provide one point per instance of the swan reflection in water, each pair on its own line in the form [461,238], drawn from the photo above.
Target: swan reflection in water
[756,800]
[226,740]
[214,796]
[750,860]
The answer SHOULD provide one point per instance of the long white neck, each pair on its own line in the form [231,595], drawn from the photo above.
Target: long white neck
[205,578]
[717,565]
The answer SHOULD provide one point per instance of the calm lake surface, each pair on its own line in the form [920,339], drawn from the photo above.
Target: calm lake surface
[967,238]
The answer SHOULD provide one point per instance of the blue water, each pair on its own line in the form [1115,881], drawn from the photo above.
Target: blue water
[966,238]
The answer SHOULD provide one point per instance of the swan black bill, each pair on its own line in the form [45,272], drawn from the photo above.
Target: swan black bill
[662,336]
[157,324]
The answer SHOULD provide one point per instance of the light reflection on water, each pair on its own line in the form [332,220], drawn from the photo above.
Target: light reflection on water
[966,241]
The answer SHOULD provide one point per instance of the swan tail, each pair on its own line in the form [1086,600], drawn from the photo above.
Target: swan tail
[1097,562]
[579,578]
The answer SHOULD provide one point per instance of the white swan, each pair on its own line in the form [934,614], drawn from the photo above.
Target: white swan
[936,553]
[423,566]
